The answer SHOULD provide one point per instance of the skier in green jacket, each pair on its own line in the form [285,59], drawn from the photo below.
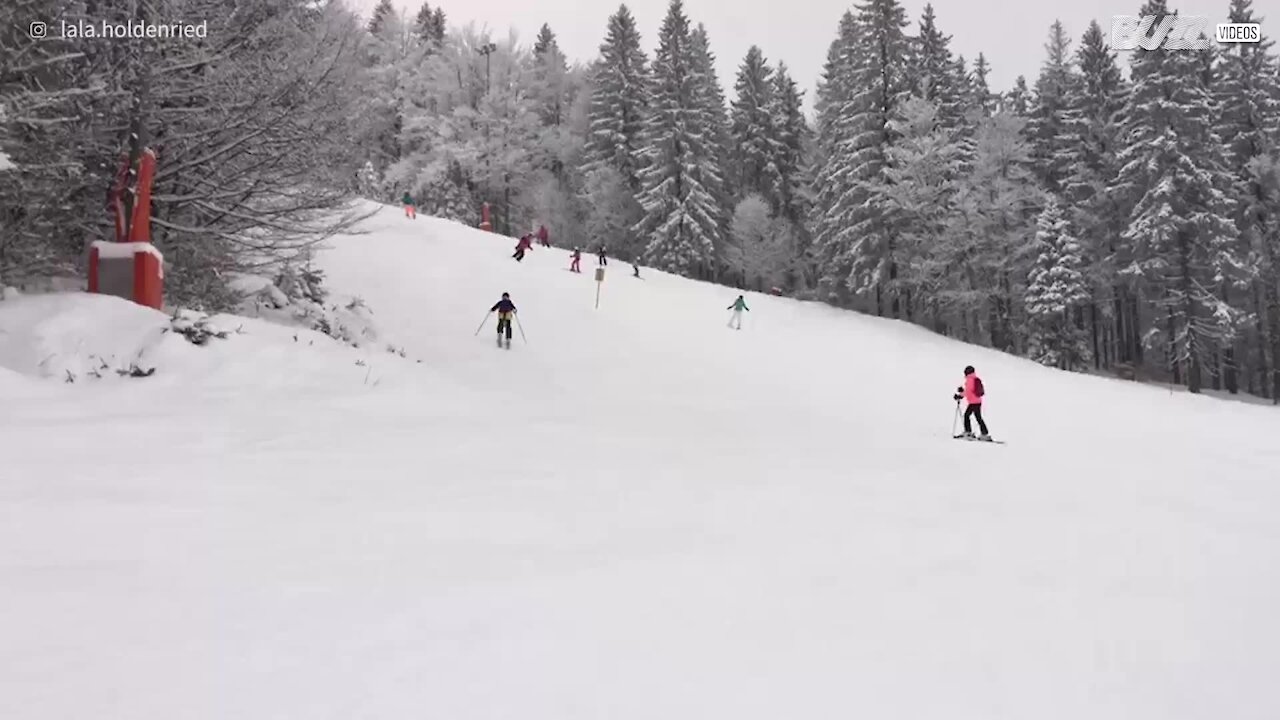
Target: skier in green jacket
[409,210]
[737,307]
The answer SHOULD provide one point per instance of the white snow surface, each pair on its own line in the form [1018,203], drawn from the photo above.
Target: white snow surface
[637,514]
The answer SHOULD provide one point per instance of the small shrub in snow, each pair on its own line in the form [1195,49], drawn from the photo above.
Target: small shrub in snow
[196,327]
[137,372]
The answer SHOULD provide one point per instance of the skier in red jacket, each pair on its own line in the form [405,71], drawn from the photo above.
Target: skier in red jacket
[971,392]
[526,243]
[576,258]
[544,238]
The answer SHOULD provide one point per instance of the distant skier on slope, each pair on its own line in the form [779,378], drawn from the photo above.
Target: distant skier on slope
[544,238]
[409,210]
[576,258]
[603,256]
[526,243]
[737,307]
[635,271]
[972,392]
[506,310]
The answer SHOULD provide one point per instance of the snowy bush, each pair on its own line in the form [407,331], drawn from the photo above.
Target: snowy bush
[196,327]
[303,302]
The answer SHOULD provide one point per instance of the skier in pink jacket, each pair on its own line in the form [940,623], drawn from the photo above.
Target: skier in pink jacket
[972,392]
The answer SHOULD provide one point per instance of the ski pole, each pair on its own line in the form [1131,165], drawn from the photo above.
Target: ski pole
[955,419]
[482,322]
[521,329]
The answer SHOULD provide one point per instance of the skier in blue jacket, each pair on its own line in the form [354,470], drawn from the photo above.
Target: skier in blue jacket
[506,310]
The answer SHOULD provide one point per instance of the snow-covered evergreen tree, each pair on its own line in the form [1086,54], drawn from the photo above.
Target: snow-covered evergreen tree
[1055,288]
[835,85]
[1182,240]
[430,27]
[1094,105]
[680,212]
[713,114]
[834,132]
[1018,100]
[934,75]
[870,82]
[980,95]
[792,191]
[755,137]
[381,12]
[551,75]
[1050,140]
[619,99]
[793,134]
[1247,91]
[392,54]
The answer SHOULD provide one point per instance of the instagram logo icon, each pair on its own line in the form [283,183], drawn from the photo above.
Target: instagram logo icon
[38,30]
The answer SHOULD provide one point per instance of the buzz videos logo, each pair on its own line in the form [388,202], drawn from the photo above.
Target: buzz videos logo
[38,30]
[1177,32]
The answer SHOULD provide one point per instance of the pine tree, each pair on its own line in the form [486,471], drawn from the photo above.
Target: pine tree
[680,213]
[428,27]
[1047,126]
[714,116]
[917,192]
[1094,106]
[1018,100]
[439,26]
[857,248]
[1180,231]
[391,54]
[755,139]
[1055,288]
[546,44]
[835,131]
[968,110]
[1248,93]
[551,75]
[792,133]
[980,96]
[793,138]
[933,72]
[834,87]
[383,10]
[619,99]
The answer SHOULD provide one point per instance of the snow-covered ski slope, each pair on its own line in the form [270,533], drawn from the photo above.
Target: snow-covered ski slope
[638,514]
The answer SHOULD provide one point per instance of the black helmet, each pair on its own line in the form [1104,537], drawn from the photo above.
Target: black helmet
[968,370]
[507,295]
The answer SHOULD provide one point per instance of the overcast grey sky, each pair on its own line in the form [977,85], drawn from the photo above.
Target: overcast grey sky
[1011,33]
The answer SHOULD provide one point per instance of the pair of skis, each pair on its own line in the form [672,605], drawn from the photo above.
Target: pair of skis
[973,438]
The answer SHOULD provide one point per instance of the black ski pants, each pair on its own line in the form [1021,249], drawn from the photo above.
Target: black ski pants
[504,323]
[974,411]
